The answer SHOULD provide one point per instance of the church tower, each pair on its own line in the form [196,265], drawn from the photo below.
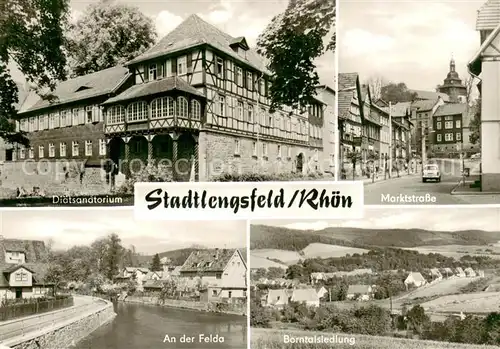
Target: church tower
[453,86]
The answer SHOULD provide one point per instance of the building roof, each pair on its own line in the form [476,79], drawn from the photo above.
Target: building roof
[194,31]
[430,95]
[451,109]
[424,105]
[358,289]
[83,87]
[158,284]
[39,271]
[172,83]
[275,296]
[400,109]
[344,102]
[304,295]
[34,250]
[474,65]
[347,80]
[210,260]
[435,271]
[132,269]
[417,277]
[488,16]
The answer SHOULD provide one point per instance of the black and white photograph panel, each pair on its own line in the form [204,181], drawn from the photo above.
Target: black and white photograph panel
[211,90]
[413,123]
[112,282]
[399,278]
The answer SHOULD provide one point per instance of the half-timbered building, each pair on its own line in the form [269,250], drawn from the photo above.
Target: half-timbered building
[200,101]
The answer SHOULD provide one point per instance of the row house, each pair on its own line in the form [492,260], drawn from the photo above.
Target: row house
[448,140]
[371,129]
[197,101]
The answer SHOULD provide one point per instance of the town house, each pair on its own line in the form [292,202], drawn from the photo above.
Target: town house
[222,273]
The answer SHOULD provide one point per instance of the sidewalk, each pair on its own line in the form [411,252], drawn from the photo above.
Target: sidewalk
[380,177]
[465,188]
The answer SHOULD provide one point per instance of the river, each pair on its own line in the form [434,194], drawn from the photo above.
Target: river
[139,326]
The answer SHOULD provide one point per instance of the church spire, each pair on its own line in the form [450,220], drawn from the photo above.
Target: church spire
[452,64]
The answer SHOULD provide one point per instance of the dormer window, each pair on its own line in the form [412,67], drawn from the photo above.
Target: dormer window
[82,88]
[153,72]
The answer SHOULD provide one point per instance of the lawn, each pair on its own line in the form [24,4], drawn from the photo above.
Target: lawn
[483,302]
[440,288]
[274,339]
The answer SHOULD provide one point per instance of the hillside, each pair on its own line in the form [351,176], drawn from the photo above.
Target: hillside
[282,238]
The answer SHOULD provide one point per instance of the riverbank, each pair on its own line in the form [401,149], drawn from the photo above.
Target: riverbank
[59,329]
[231,309]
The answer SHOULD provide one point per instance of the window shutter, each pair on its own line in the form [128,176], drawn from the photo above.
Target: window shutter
[174,66]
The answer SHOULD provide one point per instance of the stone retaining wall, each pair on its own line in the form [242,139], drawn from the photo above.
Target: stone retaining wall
[69,334]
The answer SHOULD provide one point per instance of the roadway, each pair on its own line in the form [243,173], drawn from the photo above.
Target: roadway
[409,185]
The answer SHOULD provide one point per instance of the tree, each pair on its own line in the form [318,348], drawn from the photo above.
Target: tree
[291,43]
[354,157]
[469,85]
[417,319]
[155,263]
[376,83]
[396,93]
[31,36]
[475,123]
[108,34]
[113,256]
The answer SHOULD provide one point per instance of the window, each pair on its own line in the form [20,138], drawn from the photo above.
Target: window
[182,107]
[249,81]
[237,147]
[40,151]
[218,276]
[250,113]
[438,125]
[270,121]
[181,66]
[153,72]
[139,75]
[74,117]
[239,76]
[51,121]
[240,110]
[137,111]
[214,292]
[21,276]
[222,106]
[62,149]
[254,148]
[279,151]
[219,67]
[22,153]
[264,149]
[89,114]
[52,150]
[115,115]
[458,136]
[448,125]
[229,294]
[195,110]
[448,137]
[75,147]
[458,124]
[261,86]
[162,108]
[31,153]
[88,148]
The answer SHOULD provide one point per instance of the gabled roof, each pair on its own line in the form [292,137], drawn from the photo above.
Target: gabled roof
[359,289]
[194,31]
[344,102]
[430,95]
[424,105]
[277,296]
[304,295]
[451,109]
[13,268]
[133,269]
[400,109]
[34,250]
[474,65]
[210,260]
[96,84]
[39,271]
[173,83]
[348,80]
[488,16]
[417,277]
[158,284]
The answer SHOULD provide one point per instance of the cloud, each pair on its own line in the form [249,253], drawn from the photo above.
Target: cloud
[319,225]
[165,22]
[409,42]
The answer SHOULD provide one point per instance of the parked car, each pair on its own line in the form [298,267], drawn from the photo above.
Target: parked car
[431,172]
[476,156]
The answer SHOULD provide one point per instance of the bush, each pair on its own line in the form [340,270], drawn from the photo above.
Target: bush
[259,177]
[147,174]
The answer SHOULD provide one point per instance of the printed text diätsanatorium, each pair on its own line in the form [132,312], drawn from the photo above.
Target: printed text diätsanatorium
[300,198]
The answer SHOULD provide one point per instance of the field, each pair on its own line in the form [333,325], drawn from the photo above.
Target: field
[274,339]
[314,250]
[261,262]
[476,303]
[440,288]
[458,251]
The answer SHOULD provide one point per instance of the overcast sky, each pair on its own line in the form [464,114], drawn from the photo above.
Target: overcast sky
[83,226]
[437,219]
[236,17]
[407,41]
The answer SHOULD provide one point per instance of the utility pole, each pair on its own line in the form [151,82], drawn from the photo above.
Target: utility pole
[424,153]
[390,139]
